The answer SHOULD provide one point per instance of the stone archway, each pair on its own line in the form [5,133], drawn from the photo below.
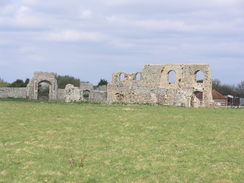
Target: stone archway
[43,90]
[32,87]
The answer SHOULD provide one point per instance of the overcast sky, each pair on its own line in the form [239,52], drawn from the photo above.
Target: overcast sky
[92,39]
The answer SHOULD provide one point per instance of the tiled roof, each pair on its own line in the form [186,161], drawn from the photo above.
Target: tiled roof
[217,95]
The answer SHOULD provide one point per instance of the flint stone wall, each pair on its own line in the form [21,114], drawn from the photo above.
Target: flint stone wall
[86,86]
[85,93]
[10,92]
[72,93]
[98,96]
[61,95]
[153,86]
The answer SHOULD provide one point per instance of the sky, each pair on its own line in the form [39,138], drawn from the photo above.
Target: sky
[92,39]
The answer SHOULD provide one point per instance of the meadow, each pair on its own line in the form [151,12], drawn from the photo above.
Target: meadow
[98,143]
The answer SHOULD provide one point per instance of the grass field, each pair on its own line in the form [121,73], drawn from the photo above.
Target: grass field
[93,143]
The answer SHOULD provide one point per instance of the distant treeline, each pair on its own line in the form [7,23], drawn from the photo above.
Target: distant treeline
[62,82]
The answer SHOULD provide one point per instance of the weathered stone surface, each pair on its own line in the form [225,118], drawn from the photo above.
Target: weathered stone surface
[86,86]
[7,92]
[61,95]
[32,87]
[98,96]
[153,86]
[72,93]
[89,93]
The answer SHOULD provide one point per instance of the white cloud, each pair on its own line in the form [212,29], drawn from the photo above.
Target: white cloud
[74,36]
[9,9]
[141,31]
[86,14]
[22,16]
[30,2]
[177,25]
[150,24]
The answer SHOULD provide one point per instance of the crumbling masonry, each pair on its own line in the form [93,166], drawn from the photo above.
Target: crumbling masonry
[152,85]
[39,77]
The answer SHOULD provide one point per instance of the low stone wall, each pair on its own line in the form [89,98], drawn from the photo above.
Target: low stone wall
[7,92]
[98,96]
[61,95]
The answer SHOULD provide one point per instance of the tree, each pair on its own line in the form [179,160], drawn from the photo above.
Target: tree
[17,83]
[3,83]
[102,82]
[216,85]
[27,81]
[240,89]
[229,89]
[64,80]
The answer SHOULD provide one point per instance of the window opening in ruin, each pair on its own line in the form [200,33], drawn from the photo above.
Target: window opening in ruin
[43,90]
[199,76]
[86,95]
[197,99]
[138,76]
[121,77]
[171,77]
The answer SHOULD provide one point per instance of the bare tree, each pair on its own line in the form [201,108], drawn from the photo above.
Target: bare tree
[240,89]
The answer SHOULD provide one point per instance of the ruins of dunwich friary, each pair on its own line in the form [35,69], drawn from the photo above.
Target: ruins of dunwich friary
[152,85]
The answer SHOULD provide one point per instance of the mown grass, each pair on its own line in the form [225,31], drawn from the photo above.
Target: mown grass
[57,142]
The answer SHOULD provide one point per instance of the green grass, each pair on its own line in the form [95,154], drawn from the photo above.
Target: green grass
[96,143]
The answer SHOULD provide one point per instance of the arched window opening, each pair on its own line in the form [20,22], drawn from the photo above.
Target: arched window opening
[199,76]
[43,90]
[171,77]
[121,77]
[138,77]
[86,95]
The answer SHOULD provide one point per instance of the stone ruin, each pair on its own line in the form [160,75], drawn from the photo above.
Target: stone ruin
[39,77]
[152,85]
[72,93]
[86,93]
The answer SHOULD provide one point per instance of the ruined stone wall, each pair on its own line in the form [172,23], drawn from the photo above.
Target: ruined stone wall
[152,85]
[72,93]
[86,94]
[98,96]
[8,92]
[50,78]
[86,86]
[61,95]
